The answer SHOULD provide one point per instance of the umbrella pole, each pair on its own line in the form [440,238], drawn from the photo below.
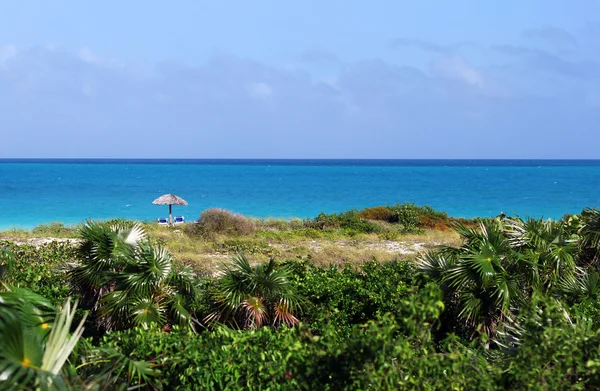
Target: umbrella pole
[170,214]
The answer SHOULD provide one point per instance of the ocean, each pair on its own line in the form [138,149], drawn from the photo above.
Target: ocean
[39,191]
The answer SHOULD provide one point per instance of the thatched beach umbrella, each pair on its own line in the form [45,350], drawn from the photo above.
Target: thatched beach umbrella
[170,199]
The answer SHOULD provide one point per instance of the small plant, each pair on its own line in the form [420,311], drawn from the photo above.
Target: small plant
[34,343]
[253,296]
[221,221]
[379,213]
[54,230]
[348,221]
[407,215]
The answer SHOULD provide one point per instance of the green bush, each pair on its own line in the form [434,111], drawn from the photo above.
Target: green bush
[42,270]
[374,356]
[351,296]
[53,229]
[557,351]
[348,221]
[407,215]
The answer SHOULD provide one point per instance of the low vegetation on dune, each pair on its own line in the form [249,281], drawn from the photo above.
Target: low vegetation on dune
[504,303]
[350,237]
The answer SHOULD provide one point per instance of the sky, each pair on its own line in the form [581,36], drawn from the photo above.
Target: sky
[305,79]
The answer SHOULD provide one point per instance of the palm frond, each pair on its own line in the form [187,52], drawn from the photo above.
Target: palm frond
[179,312]
[254,294]
[115,310]
[135,235]
[434,264]
[60,344]
[117,371]
[147,311]
[147,271]
[28,359]
[255,312]
[284,313]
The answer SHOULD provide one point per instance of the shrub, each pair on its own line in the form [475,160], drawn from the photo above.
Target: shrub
[42,270]
[379,213]
[53,229]
[347,221]
[556,351]
[407,215]
[343,298]
[375,356]
[220,221]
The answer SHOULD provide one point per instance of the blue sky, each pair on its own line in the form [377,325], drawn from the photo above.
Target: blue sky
[312,79]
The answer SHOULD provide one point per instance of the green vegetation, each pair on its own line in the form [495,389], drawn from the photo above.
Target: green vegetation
[126,280]
[512,304]
[253,296]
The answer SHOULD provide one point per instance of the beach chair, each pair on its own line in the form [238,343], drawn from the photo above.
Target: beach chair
[178,220]
[163,221]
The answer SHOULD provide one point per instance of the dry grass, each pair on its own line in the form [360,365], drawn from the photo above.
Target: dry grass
[207,254]
[52,230]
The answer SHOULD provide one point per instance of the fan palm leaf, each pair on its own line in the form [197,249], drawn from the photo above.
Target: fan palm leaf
[28,359]
[255,294]
[151,267]
[146,311]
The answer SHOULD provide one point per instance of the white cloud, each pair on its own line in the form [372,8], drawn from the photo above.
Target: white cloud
[260,90]
[7,52]
[372,108]
[88,55]
[456,67]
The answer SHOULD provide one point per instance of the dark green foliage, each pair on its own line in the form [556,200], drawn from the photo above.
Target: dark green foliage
[251,296]
[555,351]
[347,221]
[126,280]
[589,231]
[516,306]
[376,355]
[42,269]
[6,262]
[343,298]
[500,264]
[34,343]
[407,215]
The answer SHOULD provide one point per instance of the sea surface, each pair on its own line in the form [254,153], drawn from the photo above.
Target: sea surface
[38,191]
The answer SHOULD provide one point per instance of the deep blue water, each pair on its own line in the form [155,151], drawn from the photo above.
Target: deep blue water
[36,191]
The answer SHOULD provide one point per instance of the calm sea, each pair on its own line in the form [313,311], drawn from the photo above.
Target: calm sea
[36,191]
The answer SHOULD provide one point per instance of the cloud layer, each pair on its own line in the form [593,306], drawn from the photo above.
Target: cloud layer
[474,101]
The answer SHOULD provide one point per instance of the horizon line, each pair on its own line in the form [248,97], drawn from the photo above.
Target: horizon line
[290,159]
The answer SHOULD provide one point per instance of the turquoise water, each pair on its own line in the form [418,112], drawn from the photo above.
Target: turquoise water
[33,192]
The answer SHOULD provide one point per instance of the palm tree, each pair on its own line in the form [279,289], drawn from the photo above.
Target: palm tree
[590,237]
[499,265]
[129,281]
[581,286]
[34,344]
[548,248]
[253,296]
[480,277]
